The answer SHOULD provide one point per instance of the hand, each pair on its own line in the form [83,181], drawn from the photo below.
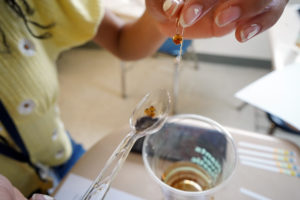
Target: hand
[8,191]
[214,18]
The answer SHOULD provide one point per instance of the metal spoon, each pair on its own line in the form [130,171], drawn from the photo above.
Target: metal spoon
[141,124]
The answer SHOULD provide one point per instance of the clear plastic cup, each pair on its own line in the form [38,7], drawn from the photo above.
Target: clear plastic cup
[191,157]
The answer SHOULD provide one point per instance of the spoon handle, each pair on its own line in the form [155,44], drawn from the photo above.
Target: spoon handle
[102,183]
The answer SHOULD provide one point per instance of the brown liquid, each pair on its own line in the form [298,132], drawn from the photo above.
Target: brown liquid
[187,176]
[150,112]
[177,39]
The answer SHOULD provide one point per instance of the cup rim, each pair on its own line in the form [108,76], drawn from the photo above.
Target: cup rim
[188,193]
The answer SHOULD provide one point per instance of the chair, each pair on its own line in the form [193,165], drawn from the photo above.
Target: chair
[169,48]
[276,122]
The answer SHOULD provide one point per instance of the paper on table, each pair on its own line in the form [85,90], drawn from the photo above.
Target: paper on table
[252,194]
[277,93]
[75,186]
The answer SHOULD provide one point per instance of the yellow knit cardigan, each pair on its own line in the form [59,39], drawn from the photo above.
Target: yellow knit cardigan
[29,84]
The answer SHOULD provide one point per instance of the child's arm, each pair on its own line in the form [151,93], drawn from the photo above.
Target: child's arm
[129,41]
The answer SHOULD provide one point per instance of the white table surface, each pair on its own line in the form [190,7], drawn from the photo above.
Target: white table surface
[277,93]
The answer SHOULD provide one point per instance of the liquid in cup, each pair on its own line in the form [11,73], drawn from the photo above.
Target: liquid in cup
[191,157]
[187,176]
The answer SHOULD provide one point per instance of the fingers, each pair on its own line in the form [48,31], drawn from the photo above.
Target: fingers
[247,29]
[233,10]
[188,11]
[251,17]
[214,18]
[172,8]
[193,10]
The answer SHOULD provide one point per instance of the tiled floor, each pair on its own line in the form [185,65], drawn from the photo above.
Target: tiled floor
[92,105]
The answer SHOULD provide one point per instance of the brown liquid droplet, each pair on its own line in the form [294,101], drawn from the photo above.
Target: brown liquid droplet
[146,121]
[150,112]
[177,39]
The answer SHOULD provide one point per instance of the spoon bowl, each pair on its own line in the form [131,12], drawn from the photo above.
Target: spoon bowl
[148,117]
[160,101]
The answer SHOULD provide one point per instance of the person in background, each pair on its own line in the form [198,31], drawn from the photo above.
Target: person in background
[33,140]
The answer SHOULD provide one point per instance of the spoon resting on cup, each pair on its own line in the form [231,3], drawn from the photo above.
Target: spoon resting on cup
[147,118]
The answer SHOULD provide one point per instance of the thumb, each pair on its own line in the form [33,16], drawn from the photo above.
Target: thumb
[164,10]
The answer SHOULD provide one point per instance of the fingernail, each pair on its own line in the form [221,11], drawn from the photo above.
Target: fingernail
[227,16]
[41,197]
[171,4]
[249,32]
[190,15]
